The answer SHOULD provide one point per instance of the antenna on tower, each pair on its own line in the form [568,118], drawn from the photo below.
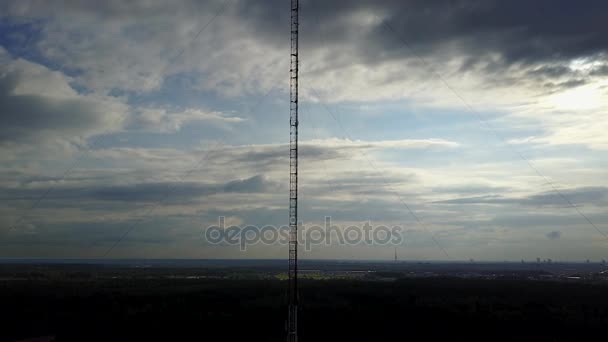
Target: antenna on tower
[292,317]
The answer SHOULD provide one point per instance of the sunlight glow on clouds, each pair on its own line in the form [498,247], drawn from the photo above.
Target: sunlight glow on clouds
[582,98]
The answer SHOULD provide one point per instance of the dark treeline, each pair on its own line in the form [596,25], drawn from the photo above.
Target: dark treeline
[83,309]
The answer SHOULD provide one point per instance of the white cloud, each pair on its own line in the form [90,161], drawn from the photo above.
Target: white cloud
[166,120]
[40,105]
[337,143]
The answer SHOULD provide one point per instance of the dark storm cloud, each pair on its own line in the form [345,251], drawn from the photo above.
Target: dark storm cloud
[154,192]
[531,34]
[518,30]
[142,192]
[509,40]
[182,191]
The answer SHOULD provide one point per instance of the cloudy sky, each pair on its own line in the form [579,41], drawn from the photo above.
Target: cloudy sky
[150,119]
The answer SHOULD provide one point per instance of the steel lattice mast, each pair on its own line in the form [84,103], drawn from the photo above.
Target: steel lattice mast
[292,318]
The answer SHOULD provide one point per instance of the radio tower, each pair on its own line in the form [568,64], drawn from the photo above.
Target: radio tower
[292,317]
